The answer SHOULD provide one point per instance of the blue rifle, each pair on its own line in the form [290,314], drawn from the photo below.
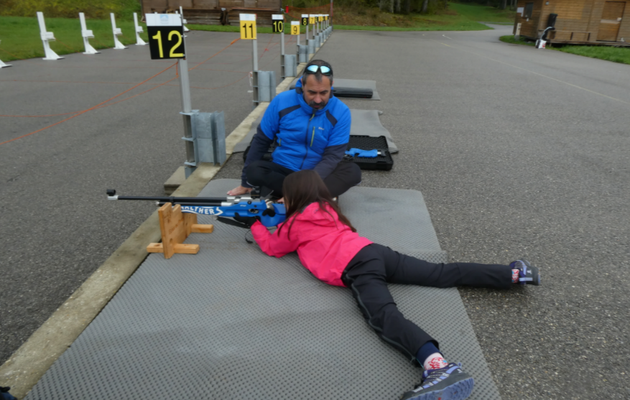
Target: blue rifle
[269,213]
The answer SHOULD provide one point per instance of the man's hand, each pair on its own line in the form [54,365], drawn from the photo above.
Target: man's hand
[238,191]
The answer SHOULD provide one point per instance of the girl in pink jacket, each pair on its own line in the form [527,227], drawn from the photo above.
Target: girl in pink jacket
[330,248]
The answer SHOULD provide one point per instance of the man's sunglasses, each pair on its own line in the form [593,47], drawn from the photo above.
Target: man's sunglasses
[312,69]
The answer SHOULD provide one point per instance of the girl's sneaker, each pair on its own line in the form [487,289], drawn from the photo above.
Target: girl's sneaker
[528,274]
[448,383]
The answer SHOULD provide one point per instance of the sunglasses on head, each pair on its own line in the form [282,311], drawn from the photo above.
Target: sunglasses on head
[312,69]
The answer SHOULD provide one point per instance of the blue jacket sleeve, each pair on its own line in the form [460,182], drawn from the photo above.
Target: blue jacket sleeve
[257,149]
[341,131]
[270,123]
[332,156]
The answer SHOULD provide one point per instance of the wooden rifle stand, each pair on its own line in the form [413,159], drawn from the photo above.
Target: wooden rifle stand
[176,226]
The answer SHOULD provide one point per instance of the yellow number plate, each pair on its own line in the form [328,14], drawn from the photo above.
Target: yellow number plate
[248,30]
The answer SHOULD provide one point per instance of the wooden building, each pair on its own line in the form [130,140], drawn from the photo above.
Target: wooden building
[594,22]
[216,12]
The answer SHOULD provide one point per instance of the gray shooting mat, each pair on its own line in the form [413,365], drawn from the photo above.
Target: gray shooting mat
[232,323]
[364,123]
[350,84]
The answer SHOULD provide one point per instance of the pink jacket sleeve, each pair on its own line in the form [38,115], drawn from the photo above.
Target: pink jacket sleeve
[274,244]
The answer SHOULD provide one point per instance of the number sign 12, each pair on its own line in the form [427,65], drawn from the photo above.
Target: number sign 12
[166,36]
[166,42]
[248,26]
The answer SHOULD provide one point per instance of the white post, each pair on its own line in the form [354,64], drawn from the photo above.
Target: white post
[252,17]
[139,41]
[116,31]
[181,11]
[87,34]
[46,36]
[3,65]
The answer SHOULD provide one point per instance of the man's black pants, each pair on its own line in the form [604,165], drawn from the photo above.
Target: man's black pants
[375,265]
[270,176]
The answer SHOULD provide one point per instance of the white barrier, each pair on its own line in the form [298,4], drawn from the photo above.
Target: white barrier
[116,31]
[3,65]
[87,34]
[46,36]
[139,41]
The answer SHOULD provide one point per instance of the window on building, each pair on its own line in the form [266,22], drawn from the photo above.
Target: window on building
[529,9]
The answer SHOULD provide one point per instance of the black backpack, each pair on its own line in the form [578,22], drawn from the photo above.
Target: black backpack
[5,395]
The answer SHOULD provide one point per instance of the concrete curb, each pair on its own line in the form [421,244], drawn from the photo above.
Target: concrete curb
[31,361]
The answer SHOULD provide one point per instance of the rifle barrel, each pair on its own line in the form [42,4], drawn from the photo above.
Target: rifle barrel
[199,204]
[179,200]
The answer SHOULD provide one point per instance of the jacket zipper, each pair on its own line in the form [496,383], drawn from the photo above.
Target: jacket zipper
[306,138]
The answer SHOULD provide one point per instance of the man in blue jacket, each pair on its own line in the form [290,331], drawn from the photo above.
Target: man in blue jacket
[311,129]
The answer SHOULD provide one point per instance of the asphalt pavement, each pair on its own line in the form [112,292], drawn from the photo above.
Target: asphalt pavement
[69,130]
[518,152]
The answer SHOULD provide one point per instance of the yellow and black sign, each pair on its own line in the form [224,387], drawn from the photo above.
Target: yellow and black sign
[248,26]
[295,28]
[278,26]
[311,20]
[304,20]
[166,42]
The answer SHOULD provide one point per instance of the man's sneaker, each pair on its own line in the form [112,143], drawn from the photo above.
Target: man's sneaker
[528,274]
[448,383]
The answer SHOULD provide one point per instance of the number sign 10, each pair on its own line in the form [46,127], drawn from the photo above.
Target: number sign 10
[277,23]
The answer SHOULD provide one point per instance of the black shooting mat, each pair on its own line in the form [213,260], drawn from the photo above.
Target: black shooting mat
[364,123]
[350,84]
[233,323]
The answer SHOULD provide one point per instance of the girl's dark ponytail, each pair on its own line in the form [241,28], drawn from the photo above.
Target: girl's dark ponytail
[304,187]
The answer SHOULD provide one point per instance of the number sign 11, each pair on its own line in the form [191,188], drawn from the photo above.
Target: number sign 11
[166,36]
[248,26]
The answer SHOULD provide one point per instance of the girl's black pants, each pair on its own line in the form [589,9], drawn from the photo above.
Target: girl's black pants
[375,265]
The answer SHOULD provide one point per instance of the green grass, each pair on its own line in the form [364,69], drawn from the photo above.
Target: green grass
[424,25]
[20,36]
[458,17]
[483,13]
[614,54]
[96,9]
[510,39]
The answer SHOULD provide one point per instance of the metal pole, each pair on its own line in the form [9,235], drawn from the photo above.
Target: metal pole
[282,67]
[282,43]
[255,71]
[185,84]
[255,54]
